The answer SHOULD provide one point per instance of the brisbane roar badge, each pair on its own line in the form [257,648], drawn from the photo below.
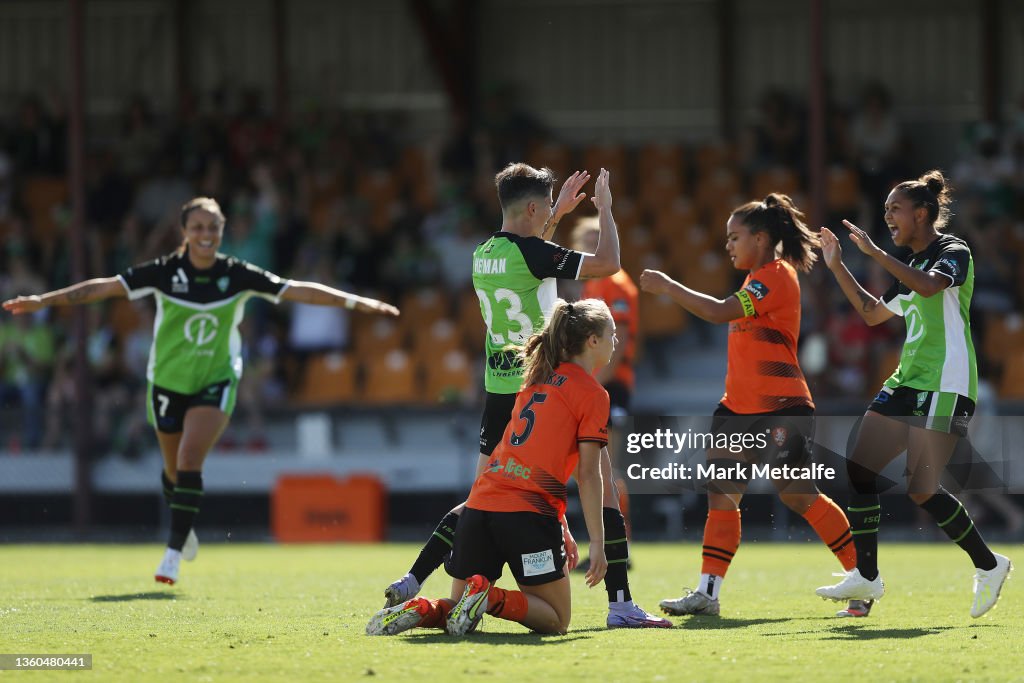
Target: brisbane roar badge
[779,435]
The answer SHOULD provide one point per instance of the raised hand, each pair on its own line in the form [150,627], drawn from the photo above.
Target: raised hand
[831,250]
[23,304]
[602,192]
[655,282]
[570,196]
[861,239]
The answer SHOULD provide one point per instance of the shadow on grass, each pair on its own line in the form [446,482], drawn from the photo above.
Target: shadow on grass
[708,623]
[869,632]
[128,597]
[438,636]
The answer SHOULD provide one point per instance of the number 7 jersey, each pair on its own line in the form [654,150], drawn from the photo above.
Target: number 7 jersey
[195,334]
[514,278]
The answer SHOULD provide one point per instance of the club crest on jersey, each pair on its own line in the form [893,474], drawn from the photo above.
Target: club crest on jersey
[779,435]
[201,328]
[757,288]
[222,283]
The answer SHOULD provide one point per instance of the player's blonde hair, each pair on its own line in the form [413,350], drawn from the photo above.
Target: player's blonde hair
[564,336]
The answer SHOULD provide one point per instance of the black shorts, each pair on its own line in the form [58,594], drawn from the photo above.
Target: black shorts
[939,411]
[780,438]
[529,543]
[497,414]
[165,409]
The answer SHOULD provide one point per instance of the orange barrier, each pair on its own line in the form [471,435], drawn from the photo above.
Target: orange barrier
[320,508]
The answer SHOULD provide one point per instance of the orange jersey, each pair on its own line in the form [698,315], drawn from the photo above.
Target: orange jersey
[540,449]
[622,297]
[764,374]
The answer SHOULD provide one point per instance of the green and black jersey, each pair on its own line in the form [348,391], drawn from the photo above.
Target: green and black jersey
[938,354]
[195,335]
[514,278]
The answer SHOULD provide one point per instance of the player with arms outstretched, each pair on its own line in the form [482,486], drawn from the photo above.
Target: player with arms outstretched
[195,362]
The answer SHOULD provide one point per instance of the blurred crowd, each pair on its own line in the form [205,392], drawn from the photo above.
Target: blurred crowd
[358,201]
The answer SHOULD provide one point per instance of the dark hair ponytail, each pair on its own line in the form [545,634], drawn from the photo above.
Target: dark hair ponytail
[778,216]
[933,192]
[563,337]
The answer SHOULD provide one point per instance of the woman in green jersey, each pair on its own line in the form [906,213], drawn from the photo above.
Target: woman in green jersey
[195,361]
[927,403]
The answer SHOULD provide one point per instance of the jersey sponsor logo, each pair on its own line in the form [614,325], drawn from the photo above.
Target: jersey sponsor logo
[489,266]
[511,469]
[504,361]
[915,323]
[561,258]
[758,289]
[179,282]
[535,564]
[883,397]
[951,265]
[201,328]
[222,283]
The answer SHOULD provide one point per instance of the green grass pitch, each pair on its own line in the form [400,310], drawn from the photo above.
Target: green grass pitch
[246,612]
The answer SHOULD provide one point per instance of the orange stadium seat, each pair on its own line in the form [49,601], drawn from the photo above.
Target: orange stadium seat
[469,321]
[611,157]
[41,195]
[449,376]
[842,189]
[391,378]
[440,337]
[661,317]
[1003,335]
[376,336]
[420,308]
[657,156]
[714,155]
[1011,385]
[685,252]
[377,187]
[717,189]
[673,221]
[124,317]
[554,155]
[328,378]
[659,188]
[779,179]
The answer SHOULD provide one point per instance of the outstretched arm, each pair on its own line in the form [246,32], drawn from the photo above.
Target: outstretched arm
[85,292]
[322,295]
[869,307]
[699,304]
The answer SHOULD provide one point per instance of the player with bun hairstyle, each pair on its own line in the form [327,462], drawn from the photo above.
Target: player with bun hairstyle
[512,513]
[195,362]
[927,403]
[765,389]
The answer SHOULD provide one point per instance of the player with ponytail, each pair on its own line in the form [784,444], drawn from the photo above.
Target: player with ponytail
[765,389]
[925,407]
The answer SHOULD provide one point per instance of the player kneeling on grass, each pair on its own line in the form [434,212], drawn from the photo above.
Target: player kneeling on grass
[559,425]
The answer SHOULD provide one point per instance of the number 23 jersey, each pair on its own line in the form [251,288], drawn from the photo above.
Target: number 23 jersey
[514,278]
[195,334]
[540,449]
